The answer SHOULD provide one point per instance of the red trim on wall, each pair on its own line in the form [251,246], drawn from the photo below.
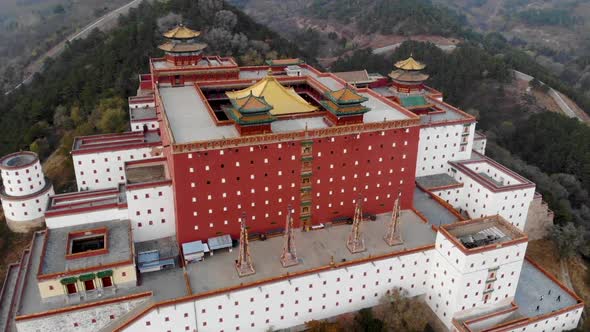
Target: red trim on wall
[491,186]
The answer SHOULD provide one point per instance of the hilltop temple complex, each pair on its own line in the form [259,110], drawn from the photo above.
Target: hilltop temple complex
[249,198]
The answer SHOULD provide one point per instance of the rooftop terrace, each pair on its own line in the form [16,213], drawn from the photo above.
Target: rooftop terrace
[76,202]
[122,141]
[437,181]
[165,285]
[535,288]
[314,250]
[190,115]
[17,160]
[119,248]
[483,232]
[146,171]
[432,210]
[491,174]
[142,113]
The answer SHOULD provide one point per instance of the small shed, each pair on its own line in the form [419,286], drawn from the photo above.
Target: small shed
[219,242]
[149,261]
[193,251]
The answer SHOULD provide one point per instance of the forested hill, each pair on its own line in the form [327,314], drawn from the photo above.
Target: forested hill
[84,90]
[403,17]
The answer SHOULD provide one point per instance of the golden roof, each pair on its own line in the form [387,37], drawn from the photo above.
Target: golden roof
[410,64]
[346,95]
[283,100]
[408,76]
[251,103]
[181,48]
[182,32]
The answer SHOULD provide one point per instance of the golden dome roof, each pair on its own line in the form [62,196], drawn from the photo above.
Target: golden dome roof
[182,32]
[410,64]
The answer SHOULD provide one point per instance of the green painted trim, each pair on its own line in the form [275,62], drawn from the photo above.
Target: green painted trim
[338,113]
[306,143]
[306,189]
[264,109]
[242,122]
[307,158]
[103,274]
[86,277]
[306,203]
[68,280]
[413,101]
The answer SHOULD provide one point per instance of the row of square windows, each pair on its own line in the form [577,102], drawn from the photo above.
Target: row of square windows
[18,181]
[279,187]
[478,190]
[280,145]
[122,178]
[296,314]
[108,170]
[151,223]
[10,189]
[279,200]
[119,158]
[466,130]
[473,264]
[148,211]
[27,171]
[356,163]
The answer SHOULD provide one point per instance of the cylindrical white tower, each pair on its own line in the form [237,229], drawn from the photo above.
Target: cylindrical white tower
[25,191]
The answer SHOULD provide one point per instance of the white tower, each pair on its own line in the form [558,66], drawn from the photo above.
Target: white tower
[24,192]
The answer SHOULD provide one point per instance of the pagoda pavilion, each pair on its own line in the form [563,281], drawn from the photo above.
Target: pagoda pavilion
[181,48]
[408,76]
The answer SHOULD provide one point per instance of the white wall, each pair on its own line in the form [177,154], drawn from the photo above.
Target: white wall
[138,125]
[28,209]
[23,181]
[151,211]
[105,169]
[289,303]
[479,201]
[86,217]
[563,322]
[479,145]
[460,282]
[440,144]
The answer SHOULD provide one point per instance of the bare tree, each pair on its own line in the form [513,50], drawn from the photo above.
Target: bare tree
[402,313]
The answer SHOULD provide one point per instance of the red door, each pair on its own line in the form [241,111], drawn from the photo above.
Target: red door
[107,282]
[71,288]
[89,285]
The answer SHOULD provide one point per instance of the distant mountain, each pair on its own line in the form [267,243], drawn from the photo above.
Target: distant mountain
[555,32]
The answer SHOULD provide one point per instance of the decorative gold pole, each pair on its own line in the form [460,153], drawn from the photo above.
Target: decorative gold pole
[356,243]
[394,236]
[289,256]
[244,264]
